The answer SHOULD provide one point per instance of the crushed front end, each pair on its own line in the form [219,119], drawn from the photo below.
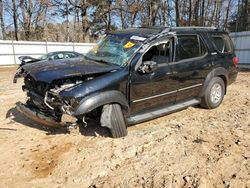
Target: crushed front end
[44,104]
[55,89]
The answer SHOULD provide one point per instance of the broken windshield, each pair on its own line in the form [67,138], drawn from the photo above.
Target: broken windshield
[113,50]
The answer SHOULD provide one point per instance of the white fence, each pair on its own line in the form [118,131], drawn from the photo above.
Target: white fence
[11,50]
[241,42]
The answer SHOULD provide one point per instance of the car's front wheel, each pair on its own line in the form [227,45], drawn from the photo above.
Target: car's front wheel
[112,117]
[214,93]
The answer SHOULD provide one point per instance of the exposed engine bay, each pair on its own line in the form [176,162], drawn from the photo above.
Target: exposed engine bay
[45,97]
[50,93]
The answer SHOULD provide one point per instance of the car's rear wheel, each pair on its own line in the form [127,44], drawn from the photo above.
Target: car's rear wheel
[113,118]
[214,93]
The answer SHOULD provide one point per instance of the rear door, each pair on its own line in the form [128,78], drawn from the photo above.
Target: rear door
[192,63]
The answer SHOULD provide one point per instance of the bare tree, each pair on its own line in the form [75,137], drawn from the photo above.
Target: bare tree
[227,14]
[190,13]
[14,8]
[27,12]
[196,12]
[177,12]
[84,20]
[67,19]
[2,20]
[76,21]
[202,13]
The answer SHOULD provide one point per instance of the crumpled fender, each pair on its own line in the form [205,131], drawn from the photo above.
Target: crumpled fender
[99,99]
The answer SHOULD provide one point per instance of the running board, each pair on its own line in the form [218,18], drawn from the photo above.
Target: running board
[138,118]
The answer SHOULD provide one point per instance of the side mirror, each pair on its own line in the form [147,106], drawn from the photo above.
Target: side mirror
[148,67]
[50,58]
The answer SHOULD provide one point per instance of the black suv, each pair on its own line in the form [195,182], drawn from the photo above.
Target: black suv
[131,76]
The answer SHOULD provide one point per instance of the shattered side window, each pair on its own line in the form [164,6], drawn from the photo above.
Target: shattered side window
[159,53]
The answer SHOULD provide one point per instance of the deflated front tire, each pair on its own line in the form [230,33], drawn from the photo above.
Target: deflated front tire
[112,117]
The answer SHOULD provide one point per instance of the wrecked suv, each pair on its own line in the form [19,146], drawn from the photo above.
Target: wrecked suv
[131,76]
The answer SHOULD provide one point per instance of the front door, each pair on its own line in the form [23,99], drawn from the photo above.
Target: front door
[155,89]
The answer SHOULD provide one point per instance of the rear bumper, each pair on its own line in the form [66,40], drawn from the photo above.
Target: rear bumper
[37,116]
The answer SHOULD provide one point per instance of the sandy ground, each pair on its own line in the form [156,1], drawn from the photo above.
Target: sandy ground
[191,148]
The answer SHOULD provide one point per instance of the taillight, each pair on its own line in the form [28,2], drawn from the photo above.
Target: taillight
[235,60]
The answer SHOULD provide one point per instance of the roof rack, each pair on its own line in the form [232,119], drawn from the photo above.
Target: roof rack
[162,29]
[152,27]
[195,27]
[182,27]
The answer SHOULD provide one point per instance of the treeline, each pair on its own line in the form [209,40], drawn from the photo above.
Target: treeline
[85,20]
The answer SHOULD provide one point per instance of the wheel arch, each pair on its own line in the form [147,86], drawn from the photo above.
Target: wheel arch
[100,99]
[217,72]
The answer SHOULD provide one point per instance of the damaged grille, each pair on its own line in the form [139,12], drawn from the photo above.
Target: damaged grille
[39,88]
[36,92]
[53,101]
[45,97]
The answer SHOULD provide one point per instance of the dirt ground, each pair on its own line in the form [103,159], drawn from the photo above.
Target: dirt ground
[191,148]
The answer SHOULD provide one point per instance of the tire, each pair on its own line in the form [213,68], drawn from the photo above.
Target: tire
[113,118]
[214,93]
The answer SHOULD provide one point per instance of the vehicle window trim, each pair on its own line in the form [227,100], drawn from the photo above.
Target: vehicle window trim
[199,37]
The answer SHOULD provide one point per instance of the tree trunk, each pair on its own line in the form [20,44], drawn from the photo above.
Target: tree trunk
[133,19]
[246,15]
[27,18]
[164,20]
[85,21]
[218,13]
[202,13]
[30,11]
[196,12]
[177,13]
[227,13]
[154,8]
[121,13]
[2,20]
[76,21]
[67,20]
[214,15]
[183,13]
[190,13]
[25,23]
[207,12]
[15,19]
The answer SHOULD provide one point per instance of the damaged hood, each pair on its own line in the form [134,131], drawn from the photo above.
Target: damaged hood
[47,71]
